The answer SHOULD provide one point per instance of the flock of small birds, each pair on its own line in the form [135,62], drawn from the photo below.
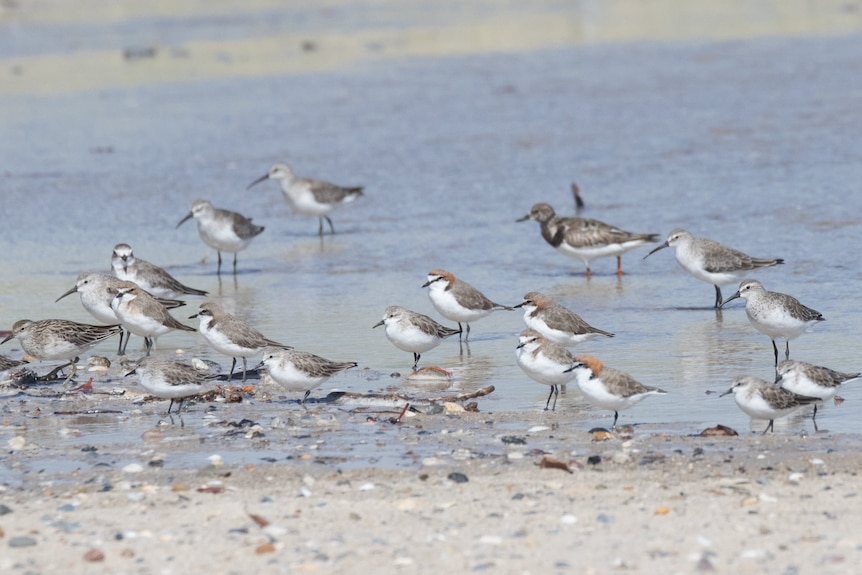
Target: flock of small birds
[135,299]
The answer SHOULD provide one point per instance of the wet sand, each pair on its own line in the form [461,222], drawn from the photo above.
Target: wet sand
[469,494]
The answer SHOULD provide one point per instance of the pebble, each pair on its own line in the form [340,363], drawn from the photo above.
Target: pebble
[457,477]
[4,510]
[538,428]
[22,541]
[491,540]
[568,519]
[366,487]
[515,455]
[16,443]
[133,468]
[94,555]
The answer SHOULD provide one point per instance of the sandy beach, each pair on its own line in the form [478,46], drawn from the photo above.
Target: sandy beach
[486,492]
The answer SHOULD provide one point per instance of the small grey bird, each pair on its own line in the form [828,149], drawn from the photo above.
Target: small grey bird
[222,230]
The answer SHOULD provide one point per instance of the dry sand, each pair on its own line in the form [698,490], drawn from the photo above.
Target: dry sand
[646,502]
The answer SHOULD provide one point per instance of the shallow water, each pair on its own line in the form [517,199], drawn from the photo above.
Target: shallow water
[749,140]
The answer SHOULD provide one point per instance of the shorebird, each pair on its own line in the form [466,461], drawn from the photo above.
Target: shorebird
[310,197]
[763,400]
[97,290]
[222,230]
[585,239]
[49,339]
[609,388]
[299,370]
[775,314]
[811,380]
[171,379]
[556,322]
[711,261]
[151,278]
[544,361]
[231,336]
[413,332]
[141,314]
[456,300]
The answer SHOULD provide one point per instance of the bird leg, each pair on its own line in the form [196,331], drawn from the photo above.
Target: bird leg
[775,347]
[787,349]
[718,299]
[232,366]
[149,343]
[331,228]
[619,265]
[416,357]
[589,273]
[616,415]
[305,396]
[769,427]
[555,391]
[218,269]
[120,347]
[244,366]
[128,337]
[234,263]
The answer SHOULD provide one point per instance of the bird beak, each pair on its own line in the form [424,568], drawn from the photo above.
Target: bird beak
[257,181]
[7,338]
[524,219]
[185,219]
[575,366]
[661,247]
[728,392]
[131,372]
[193,316]
[733,297]
[378,324]
[260,366]
[522,304]
[428,283]
[71,291]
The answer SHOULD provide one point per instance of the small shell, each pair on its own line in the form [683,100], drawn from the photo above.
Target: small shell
[98,363]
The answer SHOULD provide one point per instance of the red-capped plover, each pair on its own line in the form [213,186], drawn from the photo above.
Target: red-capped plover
[556,322]
[456,300]
[607,387]
[711,261]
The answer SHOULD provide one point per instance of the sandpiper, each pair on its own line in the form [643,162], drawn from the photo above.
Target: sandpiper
[151,278]
[811,380]
[230,335]
[609,388]
[141,314]
[544,361]
[456,300]
[555,322]
[413,332]
[585,239]
[59,339]
[763,400]
[171,379]
[711,261]
[97,290]
[775,314]
[222,230]
[299,370]
[310,197]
